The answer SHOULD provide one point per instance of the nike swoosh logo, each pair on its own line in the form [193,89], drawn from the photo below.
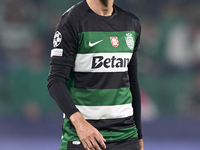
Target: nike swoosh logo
[93,44]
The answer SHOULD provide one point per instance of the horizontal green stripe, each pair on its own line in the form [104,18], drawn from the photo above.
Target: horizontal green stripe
[101,97]
[120,134]
[105,46]
[111,135]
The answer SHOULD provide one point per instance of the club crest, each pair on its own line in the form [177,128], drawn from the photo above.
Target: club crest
[114,41]
[129,41]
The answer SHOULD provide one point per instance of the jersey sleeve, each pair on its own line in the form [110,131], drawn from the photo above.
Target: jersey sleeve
[135,91]
[63,55]
[138,30]
[65,42]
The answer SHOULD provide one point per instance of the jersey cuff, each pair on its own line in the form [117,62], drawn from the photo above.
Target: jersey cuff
[72,112]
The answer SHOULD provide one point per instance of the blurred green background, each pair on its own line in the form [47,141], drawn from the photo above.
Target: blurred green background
[169,58]
[168,61]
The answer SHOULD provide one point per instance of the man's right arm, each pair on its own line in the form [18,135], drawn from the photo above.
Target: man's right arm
[58,90]
[62,61]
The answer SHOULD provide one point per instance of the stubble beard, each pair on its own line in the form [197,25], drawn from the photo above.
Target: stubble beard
[104,2]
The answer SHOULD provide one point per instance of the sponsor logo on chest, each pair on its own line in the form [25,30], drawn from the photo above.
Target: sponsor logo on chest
[102,62]
[109,62]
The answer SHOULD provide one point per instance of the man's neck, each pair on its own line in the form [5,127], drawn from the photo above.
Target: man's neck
[101,7]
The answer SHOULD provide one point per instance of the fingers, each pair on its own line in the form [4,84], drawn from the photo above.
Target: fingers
[95,144]
[84,145]
[141,144]
[87,145]
[91,143]
[101,136]
[101,141]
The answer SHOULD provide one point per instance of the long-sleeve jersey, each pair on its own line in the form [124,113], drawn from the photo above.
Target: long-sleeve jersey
[93,70]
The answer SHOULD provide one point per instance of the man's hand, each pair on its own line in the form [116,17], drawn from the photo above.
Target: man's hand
[141,144]
[88,135]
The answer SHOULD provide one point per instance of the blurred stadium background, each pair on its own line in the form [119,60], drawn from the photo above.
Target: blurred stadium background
[169,73]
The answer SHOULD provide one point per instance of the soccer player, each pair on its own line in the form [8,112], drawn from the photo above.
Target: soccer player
[93,77]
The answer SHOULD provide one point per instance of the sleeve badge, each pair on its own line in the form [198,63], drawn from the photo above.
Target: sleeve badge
[57,39]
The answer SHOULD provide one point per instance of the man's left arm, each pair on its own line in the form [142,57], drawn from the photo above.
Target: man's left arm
[136,102]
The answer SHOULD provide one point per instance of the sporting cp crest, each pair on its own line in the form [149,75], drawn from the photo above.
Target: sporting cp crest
[114,41]
[129,41]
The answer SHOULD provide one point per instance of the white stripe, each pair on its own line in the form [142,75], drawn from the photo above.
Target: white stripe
[106,112]
[84,62]
[56,52]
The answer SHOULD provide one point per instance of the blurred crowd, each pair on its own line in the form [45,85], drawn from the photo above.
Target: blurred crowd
[169,58]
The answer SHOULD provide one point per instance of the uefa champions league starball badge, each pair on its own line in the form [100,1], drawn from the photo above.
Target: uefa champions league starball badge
[57,39]
[129,41]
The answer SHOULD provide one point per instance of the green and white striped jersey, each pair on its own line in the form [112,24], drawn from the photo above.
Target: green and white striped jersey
[98,49]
